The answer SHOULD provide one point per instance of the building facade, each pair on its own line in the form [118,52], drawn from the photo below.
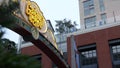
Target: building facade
[95,13]
[31,50]
[61,40]
[98,41]
[97,48]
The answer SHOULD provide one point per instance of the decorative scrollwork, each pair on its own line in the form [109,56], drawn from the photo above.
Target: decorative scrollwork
[34,15]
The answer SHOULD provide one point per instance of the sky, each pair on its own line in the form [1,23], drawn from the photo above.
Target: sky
[59,10]
[54,10]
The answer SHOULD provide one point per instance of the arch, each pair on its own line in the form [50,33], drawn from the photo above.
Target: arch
[20,26]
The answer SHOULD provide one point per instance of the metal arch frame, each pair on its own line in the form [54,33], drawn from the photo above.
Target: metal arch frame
[21,27]
[42,43]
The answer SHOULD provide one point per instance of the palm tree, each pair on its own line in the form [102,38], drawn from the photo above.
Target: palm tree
[60,27]
[64,26]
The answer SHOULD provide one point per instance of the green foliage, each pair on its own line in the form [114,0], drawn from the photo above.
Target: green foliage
[8,56]
[7,7]
[59,26]
[8,46]
[64,26]
[10,59]
[8,20]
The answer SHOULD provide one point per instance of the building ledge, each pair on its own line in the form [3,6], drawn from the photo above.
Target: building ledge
[108,25]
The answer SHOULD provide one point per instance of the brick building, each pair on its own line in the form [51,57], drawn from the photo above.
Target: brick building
[35,52]
[98,41]
[98,47]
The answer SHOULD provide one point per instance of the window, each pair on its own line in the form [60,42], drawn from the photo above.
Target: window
[101,4]
[103,18]
[115,52]
[88,57]
[60,38]
[54,65]
[88,7]
[90,22]
[37,57]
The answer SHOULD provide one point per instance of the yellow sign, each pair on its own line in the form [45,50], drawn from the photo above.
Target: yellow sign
[34,16]
[31,14]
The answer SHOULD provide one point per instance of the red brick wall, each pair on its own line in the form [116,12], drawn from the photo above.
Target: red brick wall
[69,51]
[33,50]
[101,38]
[103,50]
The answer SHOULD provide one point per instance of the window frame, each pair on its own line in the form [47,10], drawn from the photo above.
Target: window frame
[90,22]
[101,5]
[87,49]
[114,43]
[88,5]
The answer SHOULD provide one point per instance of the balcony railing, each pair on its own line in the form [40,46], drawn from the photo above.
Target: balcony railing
[109,22]
[103,22]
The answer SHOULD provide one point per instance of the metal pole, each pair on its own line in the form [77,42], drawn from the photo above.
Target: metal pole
[114,16]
